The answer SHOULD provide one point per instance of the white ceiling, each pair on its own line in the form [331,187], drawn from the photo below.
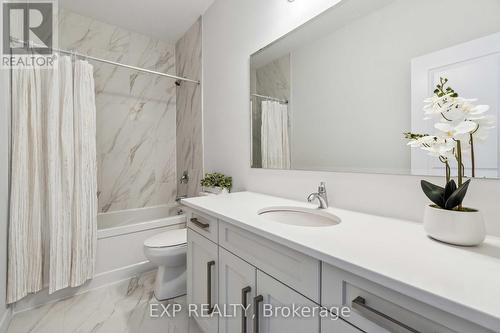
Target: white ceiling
[163,19]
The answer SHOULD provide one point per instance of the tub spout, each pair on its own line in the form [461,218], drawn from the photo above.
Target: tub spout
[180,197]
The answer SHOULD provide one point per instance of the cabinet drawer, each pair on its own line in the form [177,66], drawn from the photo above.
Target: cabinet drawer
[203,224]
[293,268]
[337,326]
[378,309]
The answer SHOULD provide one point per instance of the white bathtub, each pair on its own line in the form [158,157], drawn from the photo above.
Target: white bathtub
[137,215]
[121,236]
[135,220]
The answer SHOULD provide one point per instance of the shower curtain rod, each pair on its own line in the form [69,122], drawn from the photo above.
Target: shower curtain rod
[284,101]
[177,78]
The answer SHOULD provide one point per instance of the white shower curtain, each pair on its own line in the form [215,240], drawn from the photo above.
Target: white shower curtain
[275,140]
[53,199]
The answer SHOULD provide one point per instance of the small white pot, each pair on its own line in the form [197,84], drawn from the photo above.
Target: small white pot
[454,227]
[215,190]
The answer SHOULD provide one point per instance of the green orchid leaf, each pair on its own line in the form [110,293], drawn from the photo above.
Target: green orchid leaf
[457,197]
[434,193]
[450,188]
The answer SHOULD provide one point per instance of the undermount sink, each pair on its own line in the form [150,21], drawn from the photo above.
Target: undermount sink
[300,216]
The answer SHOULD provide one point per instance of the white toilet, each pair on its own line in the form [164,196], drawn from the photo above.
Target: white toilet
[168,251]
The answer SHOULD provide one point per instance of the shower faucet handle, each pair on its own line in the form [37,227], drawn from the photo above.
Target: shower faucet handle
[185,178]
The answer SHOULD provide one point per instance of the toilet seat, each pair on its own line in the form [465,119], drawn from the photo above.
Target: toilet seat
[166,239]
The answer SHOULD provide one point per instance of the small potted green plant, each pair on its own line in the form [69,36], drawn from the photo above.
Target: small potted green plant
[460,124]
[216,183]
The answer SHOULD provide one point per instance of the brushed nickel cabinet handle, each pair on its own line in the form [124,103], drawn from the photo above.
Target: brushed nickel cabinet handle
[200,224]
[359,303]
[210,264]
[244,303]
[256,301]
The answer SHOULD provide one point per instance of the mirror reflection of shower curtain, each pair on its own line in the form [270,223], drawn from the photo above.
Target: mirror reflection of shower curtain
[275,138]
[53,198]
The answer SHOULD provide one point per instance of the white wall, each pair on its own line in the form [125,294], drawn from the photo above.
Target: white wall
[4,186]
[234,29]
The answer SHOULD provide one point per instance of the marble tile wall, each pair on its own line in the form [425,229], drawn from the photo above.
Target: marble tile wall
[189,112]
[136,112]
[274,80]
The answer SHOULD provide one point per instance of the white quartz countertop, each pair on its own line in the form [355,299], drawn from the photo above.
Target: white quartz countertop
[394,253]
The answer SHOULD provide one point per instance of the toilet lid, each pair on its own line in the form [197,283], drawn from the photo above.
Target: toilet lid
[167,239]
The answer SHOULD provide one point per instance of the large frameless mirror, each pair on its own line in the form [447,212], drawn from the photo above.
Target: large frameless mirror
[356,90]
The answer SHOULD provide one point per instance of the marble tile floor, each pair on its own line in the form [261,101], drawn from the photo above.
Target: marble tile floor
[123,307]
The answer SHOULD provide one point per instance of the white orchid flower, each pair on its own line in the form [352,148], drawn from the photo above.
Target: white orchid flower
[458,132]
[459,123]
[441,148]
[436,146]
[484,123]
[466,100]
[479,109]
[437,105]
[423,141]
[452,108]
[461,108]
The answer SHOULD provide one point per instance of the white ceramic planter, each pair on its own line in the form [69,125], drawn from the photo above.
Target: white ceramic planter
[457,228]
[215,190]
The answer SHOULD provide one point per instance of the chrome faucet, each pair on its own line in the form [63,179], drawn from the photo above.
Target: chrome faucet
[185,178]
[321,196]
[180,197]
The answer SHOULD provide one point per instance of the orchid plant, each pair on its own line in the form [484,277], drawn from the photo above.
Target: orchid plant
[460,125]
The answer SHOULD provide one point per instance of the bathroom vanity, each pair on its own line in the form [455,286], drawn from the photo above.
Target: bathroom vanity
[387,271]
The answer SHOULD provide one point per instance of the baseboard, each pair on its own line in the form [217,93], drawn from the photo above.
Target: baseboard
[100,280]
[5,320]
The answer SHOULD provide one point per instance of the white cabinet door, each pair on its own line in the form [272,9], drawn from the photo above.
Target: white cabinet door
[236,287]
[202,282]
[275,296]
[337,326]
